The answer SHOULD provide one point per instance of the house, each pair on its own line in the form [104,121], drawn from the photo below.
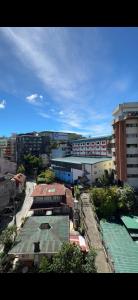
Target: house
[40,236]
[53,199]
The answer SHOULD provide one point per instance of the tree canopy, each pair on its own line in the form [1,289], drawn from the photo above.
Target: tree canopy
[48,176]
[112,200]
[31,162]
[21,169]
[70,259]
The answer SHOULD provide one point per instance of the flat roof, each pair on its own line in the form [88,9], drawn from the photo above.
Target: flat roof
[55,189]
[50,239]
[95,138]
[121,247]
[81,160]
[130,222]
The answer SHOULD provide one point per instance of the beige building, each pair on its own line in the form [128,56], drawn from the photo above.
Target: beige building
[125,142]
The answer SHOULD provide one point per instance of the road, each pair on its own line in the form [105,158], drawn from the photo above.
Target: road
[94,235]
[24,212]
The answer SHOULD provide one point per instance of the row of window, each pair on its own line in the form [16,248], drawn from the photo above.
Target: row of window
[132,155]
[132,145]
[132,175]
[132,165]
[133,135]
[132,125]
[91,143]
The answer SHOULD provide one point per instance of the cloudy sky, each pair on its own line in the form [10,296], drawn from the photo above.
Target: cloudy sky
[65,79]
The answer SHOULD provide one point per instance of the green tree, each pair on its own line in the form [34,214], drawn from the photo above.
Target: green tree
[7,237]
[76,192]
[68,260]
[126,198]
[89,265]
[31,163]
[21,169]
[45,265]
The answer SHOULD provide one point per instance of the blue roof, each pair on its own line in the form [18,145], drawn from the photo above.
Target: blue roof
[81,160]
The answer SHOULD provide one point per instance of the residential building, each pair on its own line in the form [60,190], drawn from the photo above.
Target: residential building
[125,142]
[3,145]
[55,136]
[71,169]
[54,199]
[97,146]
[7,189]
[40,236]
[31,143]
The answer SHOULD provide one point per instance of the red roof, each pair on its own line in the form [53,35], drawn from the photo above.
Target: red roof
[55,189]
[79,241]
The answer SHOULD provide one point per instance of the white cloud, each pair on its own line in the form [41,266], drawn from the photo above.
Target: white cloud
[2,104]
[61,113]
[35,99]
[44,115]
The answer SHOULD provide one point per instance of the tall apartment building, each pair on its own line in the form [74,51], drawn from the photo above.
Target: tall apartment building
[32,143]
[98,146]
[125,142]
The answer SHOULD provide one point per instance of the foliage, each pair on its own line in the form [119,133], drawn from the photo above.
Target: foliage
[70,259]
[7,237]
[76,192]
[112,200]
[32,162]
[21,169]
[48,175]
[45,266]
[107,179]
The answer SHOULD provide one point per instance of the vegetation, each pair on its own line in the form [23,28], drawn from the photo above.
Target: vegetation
[48,176]
[70,259]
[21,169]
[32,163]
[113,200]
[7,237]
[107,179]
[76,192]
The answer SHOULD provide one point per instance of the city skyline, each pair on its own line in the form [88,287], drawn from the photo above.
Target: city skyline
[65,79]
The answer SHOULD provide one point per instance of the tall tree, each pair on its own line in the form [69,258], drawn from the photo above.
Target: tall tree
[21,169]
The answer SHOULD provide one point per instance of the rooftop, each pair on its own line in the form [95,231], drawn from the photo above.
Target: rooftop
[130,222]
[81,160]
[50,239]
[55,189]
[122,249]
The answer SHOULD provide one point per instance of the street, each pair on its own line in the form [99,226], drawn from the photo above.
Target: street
[24,212]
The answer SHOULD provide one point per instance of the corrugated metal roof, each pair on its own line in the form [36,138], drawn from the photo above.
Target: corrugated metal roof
[121,247]
[130,222]
[50,239]
[81,160]
[55,189]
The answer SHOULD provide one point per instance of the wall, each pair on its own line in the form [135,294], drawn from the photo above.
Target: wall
[66,176]
[7,188]
[76,173]
[7,166]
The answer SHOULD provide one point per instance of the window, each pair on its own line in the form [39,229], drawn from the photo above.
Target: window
[132,165]
[132,145]
[131,135]
[132,175]
[132,155]
[132,125]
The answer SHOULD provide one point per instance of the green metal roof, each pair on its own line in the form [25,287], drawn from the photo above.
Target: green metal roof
[50,239]
[121,247]
[81,160]
[130,222]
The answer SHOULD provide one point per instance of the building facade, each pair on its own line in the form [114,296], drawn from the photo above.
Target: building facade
[63,149]
[99,146]
[71,169]
[125,142]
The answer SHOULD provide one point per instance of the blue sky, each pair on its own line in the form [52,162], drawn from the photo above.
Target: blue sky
[65,79]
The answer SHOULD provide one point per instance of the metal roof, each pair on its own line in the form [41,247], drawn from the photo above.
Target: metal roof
[122,249]
[50,239]
[130,222]
[46,190]
[81,160]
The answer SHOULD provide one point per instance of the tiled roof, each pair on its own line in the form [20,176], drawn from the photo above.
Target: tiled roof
[47,190]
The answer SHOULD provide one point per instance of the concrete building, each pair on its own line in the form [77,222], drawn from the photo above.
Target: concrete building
[125,142]
[70,169]
[98,146]
[31,143]
[7,190]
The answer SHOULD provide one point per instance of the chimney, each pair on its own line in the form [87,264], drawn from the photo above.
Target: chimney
[36,247]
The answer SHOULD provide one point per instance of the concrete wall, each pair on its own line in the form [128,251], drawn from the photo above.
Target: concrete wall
[7,190]
[64,175]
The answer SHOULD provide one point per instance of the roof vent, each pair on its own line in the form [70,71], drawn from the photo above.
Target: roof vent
[45,226]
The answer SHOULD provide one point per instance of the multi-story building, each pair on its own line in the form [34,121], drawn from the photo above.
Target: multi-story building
[125,142]
[63,149]
[55,136]
[3,145]
[98,146]
[32,143]
[8,148]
